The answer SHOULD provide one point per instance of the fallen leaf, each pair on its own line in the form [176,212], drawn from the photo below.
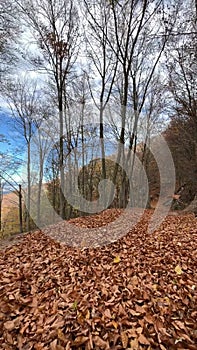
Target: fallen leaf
[74,305]
[107,313]
[143,340]
[61,336]
[116,260]
[124,339]
[178,270]
[115,324]
[99,342]
[134,313]
[59,292]
[134,345]
[9,325]
[80,340]
[53,345]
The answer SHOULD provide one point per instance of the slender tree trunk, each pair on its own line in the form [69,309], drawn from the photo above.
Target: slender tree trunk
[118,159]
[83,154]
[20,209]
[102,144]
[122,134]
[61,159]
[40,187]
[102,141]
[28,185]
[1,198]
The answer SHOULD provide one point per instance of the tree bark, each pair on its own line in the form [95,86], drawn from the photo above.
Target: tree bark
[20,209]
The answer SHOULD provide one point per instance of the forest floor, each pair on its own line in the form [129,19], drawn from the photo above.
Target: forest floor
[135,291]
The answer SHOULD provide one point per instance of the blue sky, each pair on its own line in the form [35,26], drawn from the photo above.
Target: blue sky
[12,149]
[11,134]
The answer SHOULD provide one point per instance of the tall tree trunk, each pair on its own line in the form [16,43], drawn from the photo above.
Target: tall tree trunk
[28,185]
[40,186]
[61,159]
[1,198]
[122,134]
[20,209]
[102,144]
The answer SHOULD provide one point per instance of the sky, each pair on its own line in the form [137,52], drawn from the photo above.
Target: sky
[11,134]
[13,142]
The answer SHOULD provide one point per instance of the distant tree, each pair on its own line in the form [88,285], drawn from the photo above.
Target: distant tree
[55,26]
[51,171]
[8,167]
[102,60]
[40,147]
[140,49]
[2,183]
[23,99]
[182,72]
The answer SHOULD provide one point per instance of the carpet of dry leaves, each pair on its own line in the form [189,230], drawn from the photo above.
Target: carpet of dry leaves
[137,293]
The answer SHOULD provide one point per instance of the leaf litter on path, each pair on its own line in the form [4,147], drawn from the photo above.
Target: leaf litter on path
[139,292]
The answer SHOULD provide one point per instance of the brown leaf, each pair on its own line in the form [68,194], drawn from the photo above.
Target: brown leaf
[134,345]
[107,313]
[132,333]
[100,343]
[19,342]
[162,347]
[143,340]
[179,325]
[80,340]
[124,339]
[149,319]
[134,313]
[140,309]
[34,302]
[9,325]
[53,345]
[61,336]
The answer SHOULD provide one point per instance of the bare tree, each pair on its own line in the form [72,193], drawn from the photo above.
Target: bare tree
[55,25]
[23,100]
[102,59]
[9,34]
[8,167]
[140,48]
[40,147]
[181,65]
